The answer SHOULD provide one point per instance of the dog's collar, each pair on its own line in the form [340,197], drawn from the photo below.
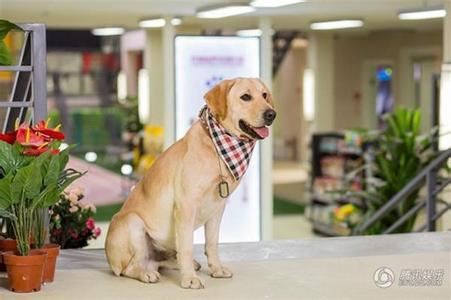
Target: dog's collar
[234,151]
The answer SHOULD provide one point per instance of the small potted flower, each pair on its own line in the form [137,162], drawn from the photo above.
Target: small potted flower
[33,170]
[71,222]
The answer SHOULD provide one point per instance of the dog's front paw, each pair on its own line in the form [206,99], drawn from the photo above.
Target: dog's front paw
[220,272]
[149,276]
[192,282]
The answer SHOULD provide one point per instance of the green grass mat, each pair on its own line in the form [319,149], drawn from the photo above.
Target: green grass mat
[105,213]
[285,207]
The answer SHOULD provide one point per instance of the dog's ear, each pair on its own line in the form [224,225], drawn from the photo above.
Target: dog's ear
[269,97]
[216,98]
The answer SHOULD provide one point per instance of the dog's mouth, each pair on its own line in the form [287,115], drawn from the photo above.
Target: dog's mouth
[254,132]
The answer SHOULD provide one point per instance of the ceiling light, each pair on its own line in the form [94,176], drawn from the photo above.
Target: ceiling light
[249,32]
[158,22]
[176,21]
[274,3]
[152,23]
[108,31]
[434,13]
[216,12]
[338,24]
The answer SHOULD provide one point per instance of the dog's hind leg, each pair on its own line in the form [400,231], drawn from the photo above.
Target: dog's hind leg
[136,257]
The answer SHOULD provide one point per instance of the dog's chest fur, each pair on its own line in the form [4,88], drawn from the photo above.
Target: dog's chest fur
[212,203]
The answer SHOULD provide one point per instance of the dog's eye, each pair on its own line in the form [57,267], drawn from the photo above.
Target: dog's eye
[246,97]
[265,95]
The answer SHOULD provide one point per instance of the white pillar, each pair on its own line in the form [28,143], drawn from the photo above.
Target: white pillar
[445,90]
[169,83]
[267,145]
[447,33]
[159,62]
[320,58]
[153,62]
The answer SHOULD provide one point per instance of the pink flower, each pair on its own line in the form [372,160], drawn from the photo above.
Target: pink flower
[73,198]
[90,224]
[73,234]
[90,207]
[77,191]
[97,231]
[73,209]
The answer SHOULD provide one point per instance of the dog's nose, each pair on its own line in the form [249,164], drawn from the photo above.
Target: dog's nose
[269,115]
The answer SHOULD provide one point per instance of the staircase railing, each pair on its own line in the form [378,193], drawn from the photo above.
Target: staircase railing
[30,83]
[428,175]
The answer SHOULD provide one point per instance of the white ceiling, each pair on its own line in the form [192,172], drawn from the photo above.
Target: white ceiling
[377,14]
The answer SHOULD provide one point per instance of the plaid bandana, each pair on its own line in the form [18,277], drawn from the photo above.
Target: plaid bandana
[234,151]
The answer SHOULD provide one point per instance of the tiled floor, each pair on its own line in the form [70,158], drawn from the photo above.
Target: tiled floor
[334,268]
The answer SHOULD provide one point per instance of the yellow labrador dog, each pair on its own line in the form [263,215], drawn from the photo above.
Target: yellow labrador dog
[187,188]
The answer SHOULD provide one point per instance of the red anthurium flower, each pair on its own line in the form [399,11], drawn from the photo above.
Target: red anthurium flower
[26,137]
[35,151]
[55,151]
[50,133]
[9,137]
[42,128]
[40,125]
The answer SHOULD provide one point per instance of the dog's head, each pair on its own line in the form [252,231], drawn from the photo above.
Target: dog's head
[244,106]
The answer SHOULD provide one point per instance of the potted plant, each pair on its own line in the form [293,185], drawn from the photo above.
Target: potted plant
[6,243]
[33,177]
[71,221]
[401,152]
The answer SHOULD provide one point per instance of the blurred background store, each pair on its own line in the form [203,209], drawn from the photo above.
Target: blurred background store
[124,79]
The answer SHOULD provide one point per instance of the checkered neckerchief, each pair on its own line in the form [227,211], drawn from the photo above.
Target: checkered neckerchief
[234,151]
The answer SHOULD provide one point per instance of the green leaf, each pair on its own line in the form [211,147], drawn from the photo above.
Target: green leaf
[27,182]
[69,179]
[5,191]
[46,196]
[50,197]
[416,122]
[5,55]
[63,159]
[6,214]
[6,26]
[6,157]
[52,171]
[393,126]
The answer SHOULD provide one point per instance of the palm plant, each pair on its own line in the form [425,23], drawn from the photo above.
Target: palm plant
[401,153]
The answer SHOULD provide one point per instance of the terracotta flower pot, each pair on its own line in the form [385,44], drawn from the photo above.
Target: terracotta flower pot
[53,250]
[6,245]
[25,272]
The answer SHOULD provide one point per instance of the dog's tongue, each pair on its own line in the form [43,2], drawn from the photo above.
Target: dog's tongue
[263,132]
